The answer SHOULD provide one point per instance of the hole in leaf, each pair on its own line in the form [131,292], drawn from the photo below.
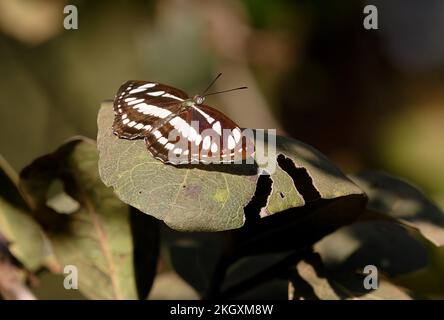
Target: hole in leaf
[301,179]
[282,195]
[259,200]
[59,200]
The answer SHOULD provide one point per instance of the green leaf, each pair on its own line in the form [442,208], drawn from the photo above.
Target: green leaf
[163,284]
[26,239]
[401,200]
[303,174]
[339,286]
[428,281]
[186,198]
[398,234]
[213,197]
[97,237]
[395,249]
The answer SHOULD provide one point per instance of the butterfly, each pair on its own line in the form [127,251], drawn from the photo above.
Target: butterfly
[178,129]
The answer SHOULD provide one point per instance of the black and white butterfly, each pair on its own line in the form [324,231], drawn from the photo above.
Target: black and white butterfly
[177,129]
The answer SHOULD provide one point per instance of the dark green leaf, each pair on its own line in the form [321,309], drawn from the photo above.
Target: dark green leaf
[338,286]
[97,237]
[25,237]
[401,200]
[394,235]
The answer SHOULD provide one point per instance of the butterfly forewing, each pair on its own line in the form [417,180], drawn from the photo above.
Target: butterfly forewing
[140,105]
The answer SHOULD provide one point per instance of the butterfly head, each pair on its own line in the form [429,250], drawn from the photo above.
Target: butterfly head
[197,99]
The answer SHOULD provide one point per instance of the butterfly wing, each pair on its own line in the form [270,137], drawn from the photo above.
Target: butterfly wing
[227,142]
[175,133]
[140,105]
[201,134]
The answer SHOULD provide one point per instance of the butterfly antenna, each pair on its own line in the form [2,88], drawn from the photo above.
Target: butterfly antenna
[211,84]
[210,94]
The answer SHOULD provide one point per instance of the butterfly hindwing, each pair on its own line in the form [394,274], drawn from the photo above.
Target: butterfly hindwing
[201,134]
[225,141]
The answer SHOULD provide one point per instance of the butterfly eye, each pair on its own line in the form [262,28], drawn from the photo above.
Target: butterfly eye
[199,99]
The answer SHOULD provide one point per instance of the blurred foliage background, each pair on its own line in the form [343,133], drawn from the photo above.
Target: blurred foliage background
[365,98]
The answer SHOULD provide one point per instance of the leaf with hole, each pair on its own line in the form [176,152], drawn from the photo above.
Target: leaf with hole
[308,284]
[302,174]
[96,238]
[213,197]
